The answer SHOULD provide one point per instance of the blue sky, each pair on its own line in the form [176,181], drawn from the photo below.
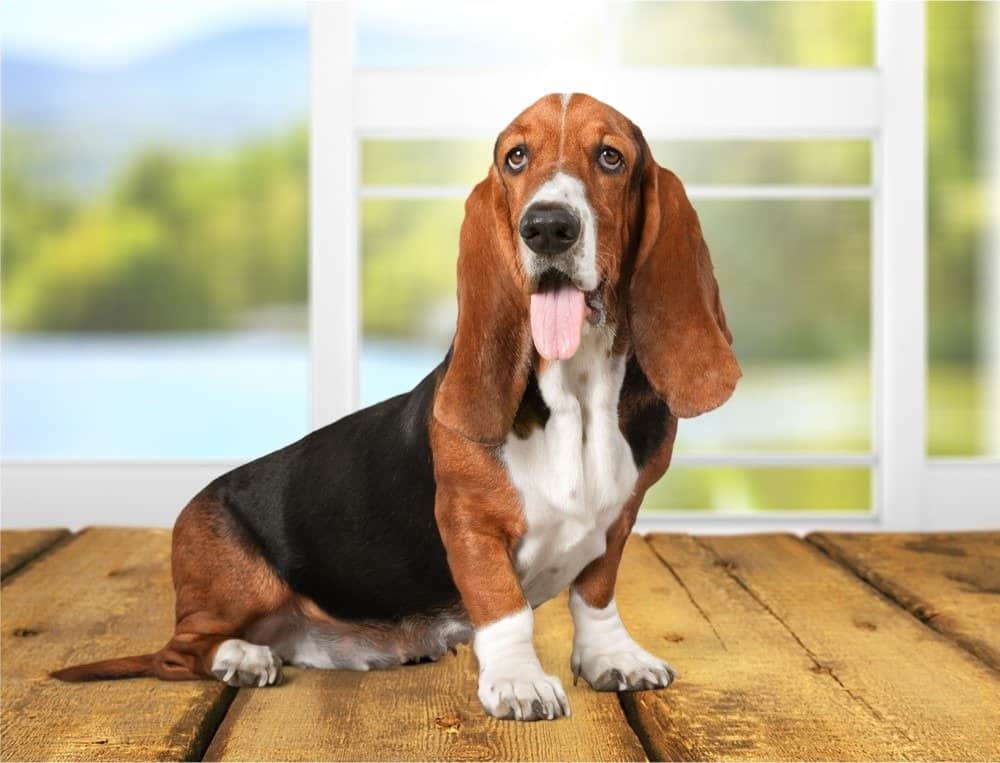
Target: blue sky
[99,33]
[108,33]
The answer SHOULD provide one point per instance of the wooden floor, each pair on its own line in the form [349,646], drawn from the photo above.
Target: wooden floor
[838,647]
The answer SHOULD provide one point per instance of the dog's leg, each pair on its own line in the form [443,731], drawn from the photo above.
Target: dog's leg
[604,653]
[223,586]
[512,684]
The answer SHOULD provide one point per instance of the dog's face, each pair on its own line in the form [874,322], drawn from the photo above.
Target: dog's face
[570,168]
[576,222]
[568,165]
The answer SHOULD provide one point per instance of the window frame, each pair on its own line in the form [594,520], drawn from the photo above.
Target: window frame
[884,104]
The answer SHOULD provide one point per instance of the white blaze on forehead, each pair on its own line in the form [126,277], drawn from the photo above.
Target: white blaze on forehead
[564,99]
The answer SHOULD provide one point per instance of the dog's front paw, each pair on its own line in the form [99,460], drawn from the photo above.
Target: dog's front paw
[526,694]
[626,667]
[239,663]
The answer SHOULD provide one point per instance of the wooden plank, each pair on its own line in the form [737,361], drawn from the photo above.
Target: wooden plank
[422,712]
[104,593]
[18,547]
[747,689]
[905,676]
[951,581]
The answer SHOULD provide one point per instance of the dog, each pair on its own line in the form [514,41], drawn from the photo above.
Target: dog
[589,320]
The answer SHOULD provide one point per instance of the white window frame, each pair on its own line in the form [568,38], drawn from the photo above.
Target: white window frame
[885,104]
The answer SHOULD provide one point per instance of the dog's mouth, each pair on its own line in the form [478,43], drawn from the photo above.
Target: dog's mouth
[558,309]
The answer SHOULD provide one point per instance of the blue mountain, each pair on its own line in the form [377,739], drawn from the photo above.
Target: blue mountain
[206,94]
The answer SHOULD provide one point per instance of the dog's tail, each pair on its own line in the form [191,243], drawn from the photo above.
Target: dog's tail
[120,667]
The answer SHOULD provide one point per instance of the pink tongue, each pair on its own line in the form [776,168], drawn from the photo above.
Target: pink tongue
[556,321]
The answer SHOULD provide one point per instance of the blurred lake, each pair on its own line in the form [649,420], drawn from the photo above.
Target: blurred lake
[183,396]
[240,395]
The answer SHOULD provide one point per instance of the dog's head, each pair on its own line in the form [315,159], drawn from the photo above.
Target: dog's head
[576,223]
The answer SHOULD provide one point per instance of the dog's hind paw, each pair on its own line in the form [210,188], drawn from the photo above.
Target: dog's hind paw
[239,663]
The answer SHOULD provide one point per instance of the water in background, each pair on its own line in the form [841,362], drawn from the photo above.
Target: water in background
[240,395]
[175,396]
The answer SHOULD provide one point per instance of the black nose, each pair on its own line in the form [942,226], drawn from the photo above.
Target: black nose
[549,228]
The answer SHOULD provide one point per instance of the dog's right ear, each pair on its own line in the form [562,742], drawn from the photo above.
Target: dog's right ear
[490,357]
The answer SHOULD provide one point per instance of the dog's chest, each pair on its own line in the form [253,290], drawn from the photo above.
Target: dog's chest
[575,474]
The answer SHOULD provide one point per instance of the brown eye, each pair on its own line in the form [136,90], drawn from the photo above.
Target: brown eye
[609,158]
[517,158]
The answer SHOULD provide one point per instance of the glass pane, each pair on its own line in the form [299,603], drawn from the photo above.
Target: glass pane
[761,489]
[733,33]
[460,34]
[424,162]
[521,34]
[154,223]
[791,162]
[794,277]
[408,255]
[963,131]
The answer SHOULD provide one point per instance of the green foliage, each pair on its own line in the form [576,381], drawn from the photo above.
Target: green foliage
[771,488]
[408,275]
[178,242]
[957,207]
[762,33]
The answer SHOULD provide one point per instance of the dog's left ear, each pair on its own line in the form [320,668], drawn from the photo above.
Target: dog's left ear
[490,357]
[678,326]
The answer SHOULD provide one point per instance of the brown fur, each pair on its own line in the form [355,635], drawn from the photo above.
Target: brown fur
[480,524]
[682,341]
[489,360]
[222,586]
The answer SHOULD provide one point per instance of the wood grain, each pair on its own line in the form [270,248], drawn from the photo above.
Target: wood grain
[18,547]
[421,712]
[104,593]
[747,688]
[910,680]
[951,581]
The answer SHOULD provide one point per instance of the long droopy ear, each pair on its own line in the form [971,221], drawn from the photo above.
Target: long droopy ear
[490,357]
[678,326]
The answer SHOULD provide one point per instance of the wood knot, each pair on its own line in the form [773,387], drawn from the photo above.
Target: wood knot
[449,723]
[865,625]
[673,638]
[25,632]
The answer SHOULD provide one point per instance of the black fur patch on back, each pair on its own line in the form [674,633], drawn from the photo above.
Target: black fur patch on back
[346,515]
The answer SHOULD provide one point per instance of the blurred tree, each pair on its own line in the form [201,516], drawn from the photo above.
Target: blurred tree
[178,242]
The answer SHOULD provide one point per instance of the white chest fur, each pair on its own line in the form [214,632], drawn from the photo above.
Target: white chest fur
[574,475]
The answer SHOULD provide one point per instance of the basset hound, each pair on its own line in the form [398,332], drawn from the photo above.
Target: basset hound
[589,320]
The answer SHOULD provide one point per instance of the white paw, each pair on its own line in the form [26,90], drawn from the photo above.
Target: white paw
[628,667]
[239,663]
[606,656]
[512,683]
[525,694]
